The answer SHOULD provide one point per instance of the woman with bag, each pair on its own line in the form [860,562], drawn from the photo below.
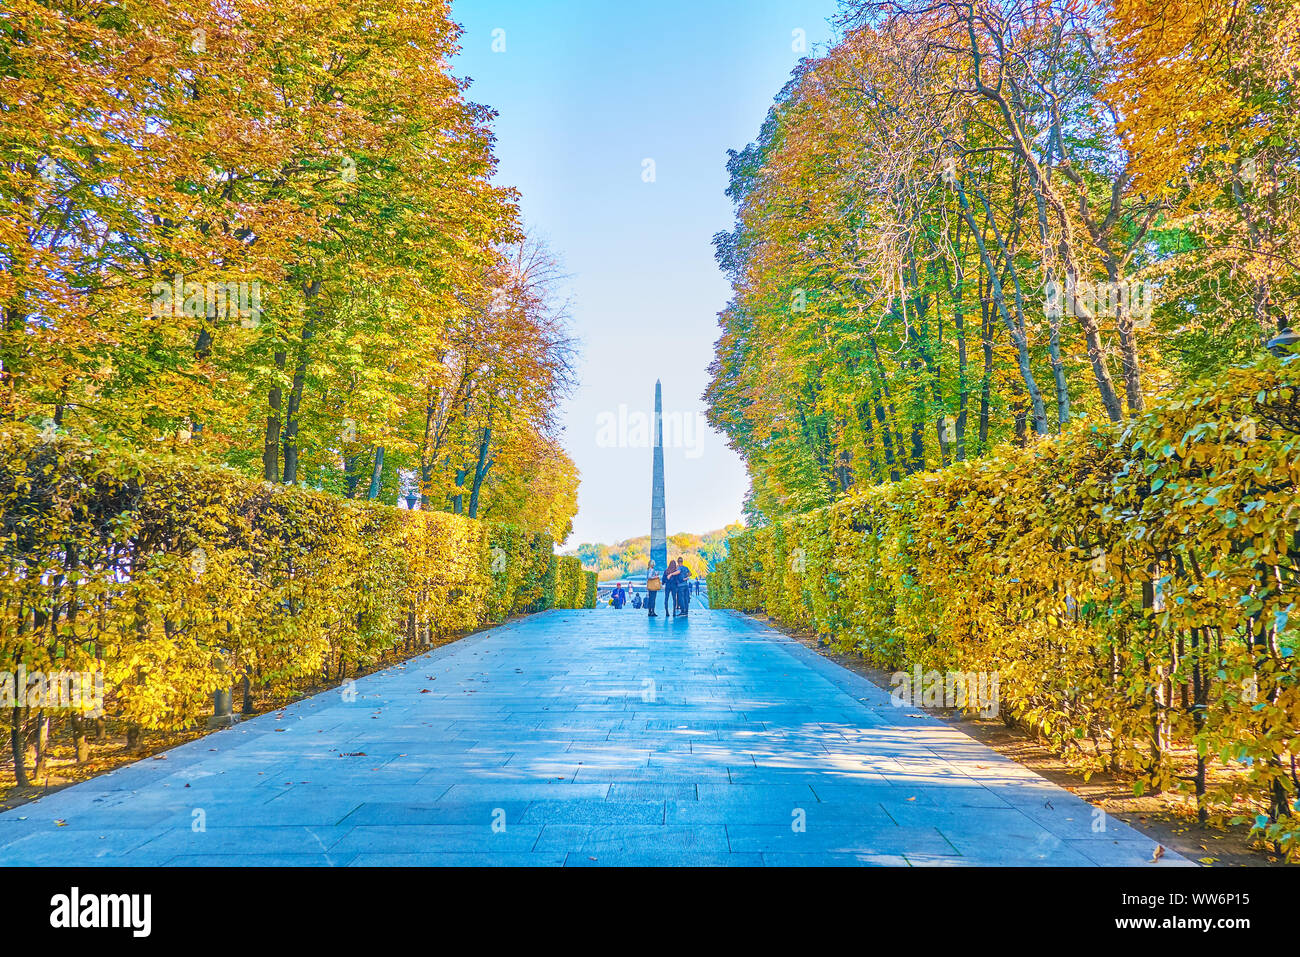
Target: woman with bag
[652,586]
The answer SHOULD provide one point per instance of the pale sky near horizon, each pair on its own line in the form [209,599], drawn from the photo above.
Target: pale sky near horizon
[587,92]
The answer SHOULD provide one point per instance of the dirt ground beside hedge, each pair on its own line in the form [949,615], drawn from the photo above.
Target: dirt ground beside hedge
[1169,819]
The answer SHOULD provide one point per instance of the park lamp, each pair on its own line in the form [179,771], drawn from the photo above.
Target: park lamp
[1284,343]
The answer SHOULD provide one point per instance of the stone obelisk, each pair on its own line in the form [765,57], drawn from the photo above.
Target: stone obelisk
[658,526]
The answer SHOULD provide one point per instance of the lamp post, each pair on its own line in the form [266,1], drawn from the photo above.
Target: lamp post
[1284,343]
[223,701]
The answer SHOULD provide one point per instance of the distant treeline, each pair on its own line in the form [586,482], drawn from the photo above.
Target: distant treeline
[630,557]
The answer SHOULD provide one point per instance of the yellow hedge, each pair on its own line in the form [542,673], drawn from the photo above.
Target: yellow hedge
[174,581]
[570,583]
[1133,588]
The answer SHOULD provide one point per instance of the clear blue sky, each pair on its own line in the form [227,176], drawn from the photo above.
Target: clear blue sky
[587,90]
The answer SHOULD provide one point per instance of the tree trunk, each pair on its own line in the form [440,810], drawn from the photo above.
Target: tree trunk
[1130,361]
[1018,338]
[481,469]
[271,442]
[458,500]
[1087,321]
[963,379]
[299,383]
[888,417]
[1054,333]
[351,477]
[986,382]
[42,745]
[18,745]
[376,473]
[79,742]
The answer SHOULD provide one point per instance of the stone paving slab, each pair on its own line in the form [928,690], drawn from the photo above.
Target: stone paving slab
[582,738]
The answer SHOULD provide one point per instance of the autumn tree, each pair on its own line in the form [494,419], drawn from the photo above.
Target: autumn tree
[268,236]
[951,232]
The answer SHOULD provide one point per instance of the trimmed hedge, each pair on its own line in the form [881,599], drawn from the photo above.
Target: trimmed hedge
[573,587]
[569,585]
[1132,586]
[174,581]
[520,563]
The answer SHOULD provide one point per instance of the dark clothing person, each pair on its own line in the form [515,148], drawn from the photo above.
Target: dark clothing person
[670,589]
[683,589]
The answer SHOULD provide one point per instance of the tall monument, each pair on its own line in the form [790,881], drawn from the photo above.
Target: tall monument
[658,527]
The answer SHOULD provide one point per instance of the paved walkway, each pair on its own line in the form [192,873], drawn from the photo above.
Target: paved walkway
[581,738]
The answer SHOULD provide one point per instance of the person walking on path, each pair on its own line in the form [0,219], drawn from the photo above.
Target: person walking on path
[618,597]
[652,586]
[671,581]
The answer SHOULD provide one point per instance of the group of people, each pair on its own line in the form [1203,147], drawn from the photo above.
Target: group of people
[676,586]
